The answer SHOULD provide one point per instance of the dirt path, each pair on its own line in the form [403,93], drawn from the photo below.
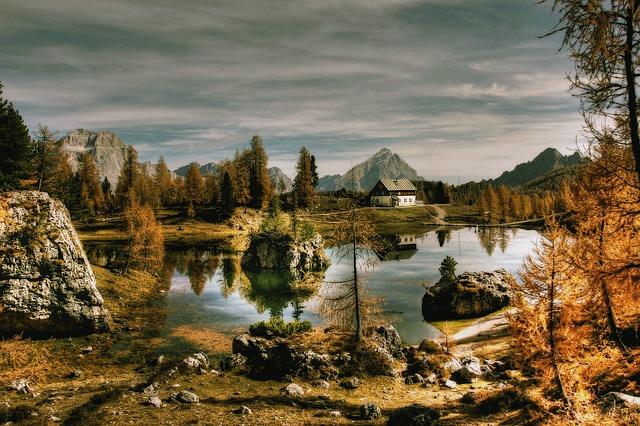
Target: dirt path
[441,214]
[489,334]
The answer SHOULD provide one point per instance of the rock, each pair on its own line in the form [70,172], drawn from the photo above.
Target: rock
[470,397]
[106,148]
[621,399]
[472,294]
[322,384]
[47,287]
[450,384]
[387,337]
[233,361]
[20,385]
[471,371]
[151,390]
[352,383]
[154,401]
[244,411]
[369,411]
[292,389]
[75,374]
[280,252]
[414,415]
[185,397]
[414,378]
[198,363]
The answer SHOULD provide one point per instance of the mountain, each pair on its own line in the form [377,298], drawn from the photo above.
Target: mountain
[546,162]
[106,148]
[207,168]
[364,176]
[275,175]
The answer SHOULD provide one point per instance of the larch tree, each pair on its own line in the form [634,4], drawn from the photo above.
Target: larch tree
[163,181]
[603,40]
[47,157]
[303,187]
[15,146]
[146,241]
[129,174]
[194,185]
[547,303]
[91,194]
[240,175]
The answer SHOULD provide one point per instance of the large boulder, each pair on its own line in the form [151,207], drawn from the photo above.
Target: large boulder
[469,295]
[47,287]
[281,253]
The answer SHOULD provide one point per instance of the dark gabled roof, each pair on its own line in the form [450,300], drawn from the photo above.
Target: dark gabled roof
[398,184]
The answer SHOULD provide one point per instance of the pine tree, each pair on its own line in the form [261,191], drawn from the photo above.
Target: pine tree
[259,183]
[15,147]
[303,182]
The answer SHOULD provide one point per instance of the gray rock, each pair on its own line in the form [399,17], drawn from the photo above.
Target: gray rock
[450,384]
[369,411]
[472,294]
[154,401]
[292,389]
[388,337]
[351,383]
[185,397]
[621,399]
[47,287]
[271,252]
[233,361]
[198,362]
[244,411]
[414,378]
[106,148]
[20,385]
[414,415]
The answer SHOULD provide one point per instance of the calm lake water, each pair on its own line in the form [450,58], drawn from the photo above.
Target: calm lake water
[210,291]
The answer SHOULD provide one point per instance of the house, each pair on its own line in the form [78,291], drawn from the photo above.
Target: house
[393,193]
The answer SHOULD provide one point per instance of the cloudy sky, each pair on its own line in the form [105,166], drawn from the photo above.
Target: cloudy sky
[460,89]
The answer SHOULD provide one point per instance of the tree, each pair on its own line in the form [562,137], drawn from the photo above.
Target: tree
[548,308]
[303,182]
[194,185]
[15,146]
[227,196]
[314,172]
[602,38]
[91,194]
[47,157]
[163,181]
[129,175]
[146,241]
[240,170]
[448,267]
[259,183]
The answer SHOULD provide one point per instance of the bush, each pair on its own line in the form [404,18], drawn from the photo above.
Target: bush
[277,327]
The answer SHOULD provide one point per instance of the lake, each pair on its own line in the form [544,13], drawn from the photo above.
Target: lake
[210,291]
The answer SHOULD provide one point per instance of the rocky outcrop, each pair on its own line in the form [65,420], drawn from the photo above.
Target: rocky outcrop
[280,252]
[47,287]
[472,294]
[106,148]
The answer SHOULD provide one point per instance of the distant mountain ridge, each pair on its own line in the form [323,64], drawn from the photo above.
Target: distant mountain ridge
[546,162]
[364,176]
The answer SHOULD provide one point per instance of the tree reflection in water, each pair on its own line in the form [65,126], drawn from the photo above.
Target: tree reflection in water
[489,238]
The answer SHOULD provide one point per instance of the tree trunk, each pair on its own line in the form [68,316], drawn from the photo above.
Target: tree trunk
[631,86]
[355,275]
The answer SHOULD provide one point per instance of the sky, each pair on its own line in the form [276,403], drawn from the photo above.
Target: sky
[460,89]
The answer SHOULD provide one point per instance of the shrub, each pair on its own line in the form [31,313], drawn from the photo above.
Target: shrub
[277,327]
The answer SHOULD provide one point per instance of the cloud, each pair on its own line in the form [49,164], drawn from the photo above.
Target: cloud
[194,81]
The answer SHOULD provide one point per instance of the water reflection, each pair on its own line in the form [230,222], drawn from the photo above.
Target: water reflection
[209,289]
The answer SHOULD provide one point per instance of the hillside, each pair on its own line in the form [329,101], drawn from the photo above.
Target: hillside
[364,176]
[546,162]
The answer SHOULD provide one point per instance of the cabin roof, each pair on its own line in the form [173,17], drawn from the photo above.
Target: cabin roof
[398,184]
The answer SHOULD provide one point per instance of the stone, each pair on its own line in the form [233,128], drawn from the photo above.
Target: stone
[414,378]
[450,384]
[107,150]
[244,411]
[469,295]
[233,361]
[369,411]
[154,401]
[20,385]
[75,374]
[387,337]
[198,362]
[185,397]
[47,287]
[292,389]
[414,415]
[351,383]
[282,253]
[621,399]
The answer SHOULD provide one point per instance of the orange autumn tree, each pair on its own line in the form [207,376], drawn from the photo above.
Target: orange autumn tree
[146,241]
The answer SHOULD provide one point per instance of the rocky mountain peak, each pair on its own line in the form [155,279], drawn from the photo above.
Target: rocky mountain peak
[105,147]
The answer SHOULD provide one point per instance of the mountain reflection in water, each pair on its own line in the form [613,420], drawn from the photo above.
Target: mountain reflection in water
[209,289]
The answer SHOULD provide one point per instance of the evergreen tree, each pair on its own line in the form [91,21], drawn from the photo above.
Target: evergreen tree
[129,175]
[259,183]
[15,147]
[194,185]
[163,181]
[303,182]
[91,194]
[227,196]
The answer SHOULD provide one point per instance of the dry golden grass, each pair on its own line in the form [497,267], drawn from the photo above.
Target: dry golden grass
[24,359]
